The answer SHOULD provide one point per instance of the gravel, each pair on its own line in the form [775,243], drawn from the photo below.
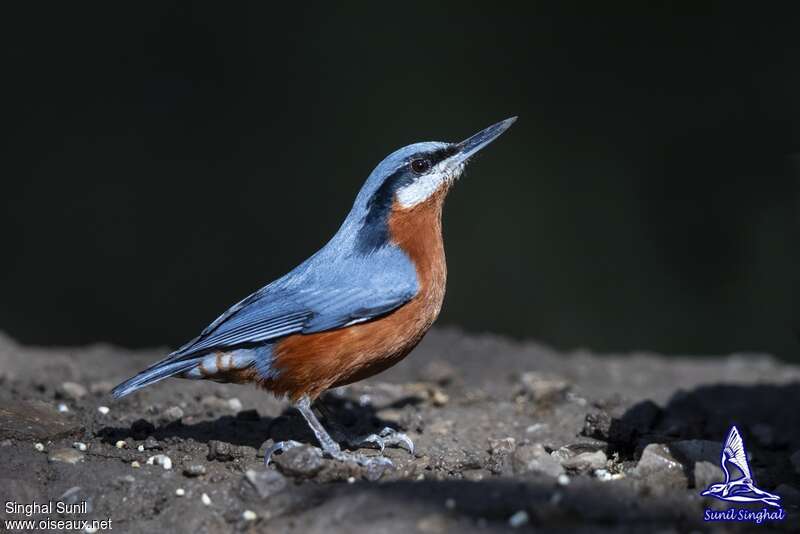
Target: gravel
[508,435]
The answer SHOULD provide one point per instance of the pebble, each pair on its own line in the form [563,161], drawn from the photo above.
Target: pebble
[439,398]
[603,475]
[194,470]
[62,408]
[67,456]
[180,492]
[140,448]
[120,444]
[80,446]
[266,483]
[707,473]
[235,404]
[302,461]
[351,480]
[586,461]
[540,389]
[249,515]
[659,471]
[39,447]
[226,452]
[563,480]
[100,388]
[71,391]
[535,459]
[160,459]
[518,519]
[103,410]
[135,464]
[173,413]
[502,446]
[205,499]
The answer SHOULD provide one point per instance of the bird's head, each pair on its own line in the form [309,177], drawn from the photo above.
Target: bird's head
[412,176]
[713,489]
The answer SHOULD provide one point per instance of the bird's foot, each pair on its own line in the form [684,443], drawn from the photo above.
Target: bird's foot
[333,452]
[388,437]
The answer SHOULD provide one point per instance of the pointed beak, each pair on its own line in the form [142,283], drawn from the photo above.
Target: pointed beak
[468,147]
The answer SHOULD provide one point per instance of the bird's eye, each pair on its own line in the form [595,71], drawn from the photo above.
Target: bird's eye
[420,165]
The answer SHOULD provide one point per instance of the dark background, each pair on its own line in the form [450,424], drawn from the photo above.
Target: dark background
[160,163]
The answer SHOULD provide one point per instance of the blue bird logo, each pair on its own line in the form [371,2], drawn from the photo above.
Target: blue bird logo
[740,488]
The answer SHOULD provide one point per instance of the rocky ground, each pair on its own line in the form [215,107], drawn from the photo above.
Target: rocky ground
[509,436]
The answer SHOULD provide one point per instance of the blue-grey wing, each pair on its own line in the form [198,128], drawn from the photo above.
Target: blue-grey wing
[306,305]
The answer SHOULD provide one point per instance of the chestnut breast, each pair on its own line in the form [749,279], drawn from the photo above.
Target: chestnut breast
[310,364]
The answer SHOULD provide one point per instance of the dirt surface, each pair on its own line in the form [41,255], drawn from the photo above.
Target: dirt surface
[509,436]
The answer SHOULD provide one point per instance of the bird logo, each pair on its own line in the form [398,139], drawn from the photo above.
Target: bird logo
[742,489]
[356,307]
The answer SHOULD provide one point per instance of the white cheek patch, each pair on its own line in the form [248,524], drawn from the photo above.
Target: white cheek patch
[420,189]
[424,186]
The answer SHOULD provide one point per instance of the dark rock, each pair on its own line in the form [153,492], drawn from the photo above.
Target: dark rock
[795,459]
[691,451]
[624,431]
[35,420]
[226,452]
[263,483]
[304,461]
[151,443]
[248,415]
[140,429]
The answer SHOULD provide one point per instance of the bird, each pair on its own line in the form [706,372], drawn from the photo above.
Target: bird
[742,489]
[354,308]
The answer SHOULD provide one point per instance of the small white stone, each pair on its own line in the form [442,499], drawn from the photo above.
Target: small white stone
[80,446]
[180,492]
[563,479]
[120,444]
[103,410]
[135,464]
[450,504]
[235,404]
[140,448]
[39,447]
[249,515]
[518,519]
[160,459]
[205,499]
[351,480]
[63,408]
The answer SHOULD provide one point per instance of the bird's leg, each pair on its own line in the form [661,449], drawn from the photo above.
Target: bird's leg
[387,437]
[329,446]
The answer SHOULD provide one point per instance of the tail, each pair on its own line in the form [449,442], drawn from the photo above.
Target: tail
[219,366]
[155,373]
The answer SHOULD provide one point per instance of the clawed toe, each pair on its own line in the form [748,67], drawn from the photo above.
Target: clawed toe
[389,437]
[335,454]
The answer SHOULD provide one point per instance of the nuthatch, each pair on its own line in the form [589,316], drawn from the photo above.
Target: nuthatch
[356,307]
